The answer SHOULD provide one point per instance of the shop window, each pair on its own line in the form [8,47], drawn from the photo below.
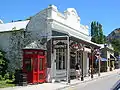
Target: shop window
[28,64]
[41,76]
[41,64]
[60,58]
[72,60]
[35,64]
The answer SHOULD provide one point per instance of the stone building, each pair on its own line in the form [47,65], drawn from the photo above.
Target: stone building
[66,40]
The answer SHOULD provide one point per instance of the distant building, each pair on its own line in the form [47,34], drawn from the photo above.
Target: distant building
[107,53]
[12,41]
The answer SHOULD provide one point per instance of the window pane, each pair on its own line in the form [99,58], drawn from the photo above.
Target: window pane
[64,62]
[28,64]
[35,64]
[60,59]
[57,61]
[41,76]
[41,64]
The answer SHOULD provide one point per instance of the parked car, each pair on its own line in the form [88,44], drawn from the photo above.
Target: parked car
[116,86]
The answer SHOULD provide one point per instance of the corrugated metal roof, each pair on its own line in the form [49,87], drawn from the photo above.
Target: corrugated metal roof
[16,25]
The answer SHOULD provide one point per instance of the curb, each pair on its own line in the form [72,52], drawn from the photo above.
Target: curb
[88,80]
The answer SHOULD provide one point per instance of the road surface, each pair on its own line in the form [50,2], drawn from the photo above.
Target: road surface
[104,83]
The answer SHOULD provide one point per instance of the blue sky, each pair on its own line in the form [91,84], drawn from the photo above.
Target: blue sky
[107,12]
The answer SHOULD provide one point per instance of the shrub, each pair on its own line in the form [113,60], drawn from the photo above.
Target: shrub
[3,63]
[1,77]
[6,76]
[11,76]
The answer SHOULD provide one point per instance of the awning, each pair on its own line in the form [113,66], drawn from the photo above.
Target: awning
[118,57]
[76,35]
[102,59]
[86,42]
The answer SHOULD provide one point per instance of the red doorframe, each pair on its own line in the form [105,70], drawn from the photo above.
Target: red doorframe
[42,69]
[34,65]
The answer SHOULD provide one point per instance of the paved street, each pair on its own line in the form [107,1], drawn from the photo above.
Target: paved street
[104,83]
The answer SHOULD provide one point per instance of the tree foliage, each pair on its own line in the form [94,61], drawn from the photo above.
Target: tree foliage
[116,45]
[14,52]
[97,33]
[105,39]
[29,18]
[3,64]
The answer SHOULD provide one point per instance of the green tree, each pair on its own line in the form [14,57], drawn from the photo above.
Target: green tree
[29,18]
[3,63]
[116,45]
[97,33]
[105,39]
[92,29]
[101,36]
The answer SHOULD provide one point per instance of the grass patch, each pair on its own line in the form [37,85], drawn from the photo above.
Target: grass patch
[6,83]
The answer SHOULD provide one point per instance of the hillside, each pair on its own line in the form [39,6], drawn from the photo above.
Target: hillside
[114,38]
[115,34]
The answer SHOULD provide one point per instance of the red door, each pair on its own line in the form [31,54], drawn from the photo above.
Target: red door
[41,69]
[27,68]
[35,69]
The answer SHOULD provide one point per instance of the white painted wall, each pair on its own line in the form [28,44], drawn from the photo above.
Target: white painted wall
[69,23]
[69,18]
[85,63]
[53,65]
[4,39]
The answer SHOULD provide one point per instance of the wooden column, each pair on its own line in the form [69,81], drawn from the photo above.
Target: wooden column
[92,53]
[68,61]
[99,66]
[82,77]
[107,64]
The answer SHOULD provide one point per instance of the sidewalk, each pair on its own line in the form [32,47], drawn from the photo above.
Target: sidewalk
[61,85]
